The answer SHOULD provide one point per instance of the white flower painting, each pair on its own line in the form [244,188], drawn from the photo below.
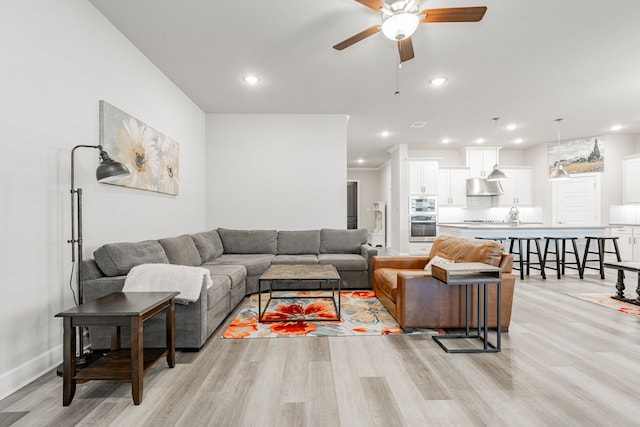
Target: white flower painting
[152,157]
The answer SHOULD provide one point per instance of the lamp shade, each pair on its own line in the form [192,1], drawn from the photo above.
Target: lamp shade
[109,170]
[496,174]
[559,173]
[400,26]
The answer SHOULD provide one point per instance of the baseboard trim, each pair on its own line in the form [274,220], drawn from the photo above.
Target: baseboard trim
[29,371]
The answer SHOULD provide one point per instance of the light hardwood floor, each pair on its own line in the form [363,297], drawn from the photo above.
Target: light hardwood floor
[565,362]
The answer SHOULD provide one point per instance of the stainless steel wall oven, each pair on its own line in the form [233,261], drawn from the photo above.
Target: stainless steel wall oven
[422,218]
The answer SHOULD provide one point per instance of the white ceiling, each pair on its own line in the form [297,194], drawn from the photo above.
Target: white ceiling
[527,62]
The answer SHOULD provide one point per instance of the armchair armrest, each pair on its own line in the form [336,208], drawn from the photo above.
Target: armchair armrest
[400,262]
[368,253]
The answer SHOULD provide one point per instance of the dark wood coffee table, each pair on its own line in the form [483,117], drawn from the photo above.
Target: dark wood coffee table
[622,266]
[129,309]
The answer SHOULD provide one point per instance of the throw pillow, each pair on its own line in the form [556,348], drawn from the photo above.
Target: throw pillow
[438,260]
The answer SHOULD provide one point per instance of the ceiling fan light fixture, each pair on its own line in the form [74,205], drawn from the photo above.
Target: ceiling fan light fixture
[400,26]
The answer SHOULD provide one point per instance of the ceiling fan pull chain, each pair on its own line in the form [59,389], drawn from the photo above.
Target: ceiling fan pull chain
[398,78]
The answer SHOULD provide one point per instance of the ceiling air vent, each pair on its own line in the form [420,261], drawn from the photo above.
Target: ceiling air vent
[417,124]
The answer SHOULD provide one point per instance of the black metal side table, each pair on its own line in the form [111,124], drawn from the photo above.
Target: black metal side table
[469,274]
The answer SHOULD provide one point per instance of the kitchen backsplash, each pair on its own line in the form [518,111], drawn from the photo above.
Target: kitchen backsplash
[481,213]
[624,214]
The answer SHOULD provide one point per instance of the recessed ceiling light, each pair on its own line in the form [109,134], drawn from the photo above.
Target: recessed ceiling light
[361,161]
[417,124]
[384,133]
[438,81]
[251,79]
[512,126]
[616,127]
[479,140]
[518,141]
[446,140]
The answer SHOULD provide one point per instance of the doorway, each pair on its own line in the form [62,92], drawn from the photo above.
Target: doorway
[352,205]
[576,201]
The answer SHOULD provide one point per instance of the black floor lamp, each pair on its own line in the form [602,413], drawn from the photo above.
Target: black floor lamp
[108,170]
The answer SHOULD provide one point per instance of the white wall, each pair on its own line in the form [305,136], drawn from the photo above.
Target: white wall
[58,60]
[276,171]
[615,148]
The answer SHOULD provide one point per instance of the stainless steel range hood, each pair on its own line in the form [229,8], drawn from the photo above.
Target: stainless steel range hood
[482,187]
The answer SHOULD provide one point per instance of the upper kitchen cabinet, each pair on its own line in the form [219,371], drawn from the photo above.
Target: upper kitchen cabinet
[423,177]
[518,187]
[480,161]
[452,186]
[630,179]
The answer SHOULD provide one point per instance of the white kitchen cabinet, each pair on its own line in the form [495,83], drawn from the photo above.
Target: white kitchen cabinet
[518,187]
[452,186]
[480,161]
[423,177]
[628,243]
[631,180]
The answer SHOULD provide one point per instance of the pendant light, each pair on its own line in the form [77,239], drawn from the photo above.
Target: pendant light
[558,172]
[496,174]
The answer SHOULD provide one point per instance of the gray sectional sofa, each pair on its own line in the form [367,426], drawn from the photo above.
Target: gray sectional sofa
[235,259]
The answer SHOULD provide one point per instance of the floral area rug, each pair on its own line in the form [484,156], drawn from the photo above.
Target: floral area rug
[361,312]
[607,301]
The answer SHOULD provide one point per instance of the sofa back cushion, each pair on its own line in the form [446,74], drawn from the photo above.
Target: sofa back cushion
[116,259]
[298,242]
[461,249]
[208,244]
[249,241]
[336,241]
[181,250]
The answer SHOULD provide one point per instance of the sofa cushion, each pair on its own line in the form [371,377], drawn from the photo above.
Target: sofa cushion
[249,241]
[116,259]
[346,262]
[181,250]
[219,290]
[256,264]
[208,244]
[237,273]
[467,250]
[295,259]
[335,241]
[298,242]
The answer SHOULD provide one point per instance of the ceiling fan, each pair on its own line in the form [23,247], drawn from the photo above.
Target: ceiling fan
[401,18]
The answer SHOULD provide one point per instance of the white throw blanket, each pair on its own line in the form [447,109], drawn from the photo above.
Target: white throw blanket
[166,278]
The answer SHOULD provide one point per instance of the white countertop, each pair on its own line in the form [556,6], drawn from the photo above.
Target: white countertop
[525,226]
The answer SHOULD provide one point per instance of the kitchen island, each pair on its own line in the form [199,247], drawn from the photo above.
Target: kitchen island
[506,230]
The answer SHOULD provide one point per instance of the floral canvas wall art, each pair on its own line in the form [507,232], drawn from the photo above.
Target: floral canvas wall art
[151,156]
[578,155]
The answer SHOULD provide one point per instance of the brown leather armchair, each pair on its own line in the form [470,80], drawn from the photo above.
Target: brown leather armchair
[417,300]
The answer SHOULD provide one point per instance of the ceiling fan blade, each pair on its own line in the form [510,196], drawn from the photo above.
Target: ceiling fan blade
[405,49]
[376,5]
[454,14]
[360,36]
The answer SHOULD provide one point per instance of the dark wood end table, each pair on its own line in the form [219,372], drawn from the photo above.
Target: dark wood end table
[622,266]
[129,309]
